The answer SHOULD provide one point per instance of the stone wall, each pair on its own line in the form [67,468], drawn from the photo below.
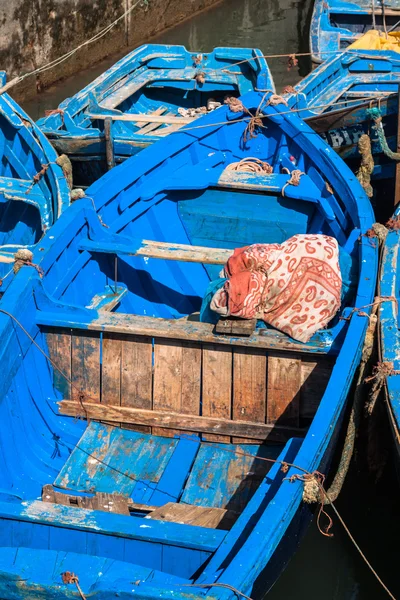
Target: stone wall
[34,32]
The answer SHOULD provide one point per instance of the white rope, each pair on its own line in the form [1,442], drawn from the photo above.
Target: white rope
[61,59]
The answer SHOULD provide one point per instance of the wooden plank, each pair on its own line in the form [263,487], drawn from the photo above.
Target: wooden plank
[162,250]
[202,516]
[249,387]
[142,118]
[159,111]
[137,374]
[167,392]
[111,369]
[114,503]
[190,330]
[109,299]
[167,130]
[85,366]
[314,379]
[170,420]
[236,326]
[217,385]
[283,397]
[59,345]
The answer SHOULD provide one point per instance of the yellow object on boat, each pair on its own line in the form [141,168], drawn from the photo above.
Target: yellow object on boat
[377,40]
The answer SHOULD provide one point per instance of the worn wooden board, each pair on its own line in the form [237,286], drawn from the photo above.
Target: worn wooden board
[111,369]
[167,393]
[314,379]
[249,387]
[137,374]
[218,427]
[85,366]
[284,383]
[59,345]
[202,516]
[217,385]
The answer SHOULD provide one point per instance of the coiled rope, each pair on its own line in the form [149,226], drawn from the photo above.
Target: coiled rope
[251,165]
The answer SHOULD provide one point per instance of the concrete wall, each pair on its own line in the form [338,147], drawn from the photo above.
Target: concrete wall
[34,32]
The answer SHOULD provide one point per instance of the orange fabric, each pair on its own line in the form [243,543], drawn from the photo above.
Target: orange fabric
[294,286]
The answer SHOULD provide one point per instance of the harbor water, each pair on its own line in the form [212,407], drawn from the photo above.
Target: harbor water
[324,568]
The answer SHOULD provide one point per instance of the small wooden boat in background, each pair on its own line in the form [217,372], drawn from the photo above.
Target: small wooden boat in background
[33,188]
[179,495]
[389,288]
[336,24]
[151,92]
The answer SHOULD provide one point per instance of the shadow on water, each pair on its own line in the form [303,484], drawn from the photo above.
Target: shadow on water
[324,568]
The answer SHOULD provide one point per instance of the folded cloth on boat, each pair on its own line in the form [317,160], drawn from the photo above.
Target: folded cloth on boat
[377,40]
[295,286]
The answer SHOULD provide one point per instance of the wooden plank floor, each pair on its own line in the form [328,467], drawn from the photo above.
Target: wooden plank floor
[156,470]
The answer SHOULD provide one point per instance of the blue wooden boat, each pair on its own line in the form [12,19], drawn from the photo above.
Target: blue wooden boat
[336,24]
[342,98]
[151,92]
[33,189]
[389,329]
[178,502]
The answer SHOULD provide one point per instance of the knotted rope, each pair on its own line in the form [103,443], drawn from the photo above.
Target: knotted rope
[376,116]
[251,165]
[36,178]
[23,257]
[69,578]
[367,164]
[379,374]
[294,178]
[237,106]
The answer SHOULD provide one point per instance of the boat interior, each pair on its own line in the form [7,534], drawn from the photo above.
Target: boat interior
[168,427]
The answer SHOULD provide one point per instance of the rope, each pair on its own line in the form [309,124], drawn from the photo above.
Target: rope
[64,162]
[294,178]
[355,414]
[23,257]
[68,578]
[251,165]
[36,178]
[376,115]
[367,164]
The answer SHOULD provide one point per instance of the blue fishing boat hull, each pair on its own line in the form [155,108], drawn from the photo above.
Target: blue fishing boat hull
[33,187]
[389,332]
[153,80]
[342,98]
[335,24]
[195,494]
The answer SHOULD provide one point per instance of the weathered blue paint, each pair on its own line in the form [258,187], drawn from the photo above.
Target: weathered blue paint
[38,445]
[389,330]
[151,78]
[336,98]
[335,24]
[27,208]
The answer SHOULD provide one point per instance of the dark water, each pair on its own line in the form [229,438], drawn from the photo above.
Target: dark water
[323,568]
